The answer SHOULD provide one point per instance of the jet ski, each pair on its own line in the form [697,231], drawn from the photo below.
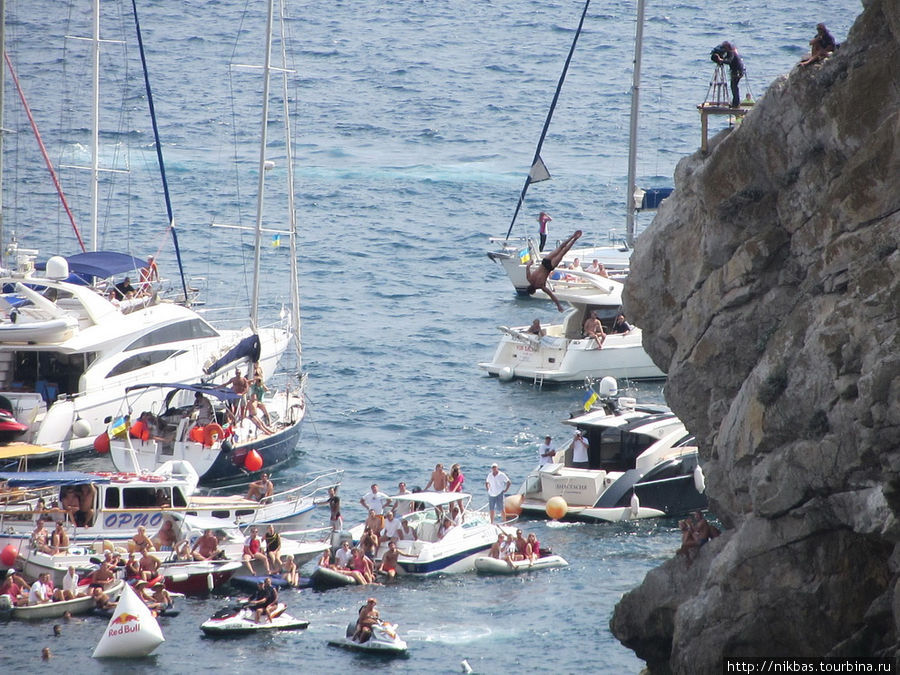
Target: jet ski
[10,427]
[238,620]
[384,640]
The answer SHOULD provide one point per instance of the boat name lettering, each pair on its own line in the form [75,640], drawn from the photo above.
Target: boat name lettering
[132,520]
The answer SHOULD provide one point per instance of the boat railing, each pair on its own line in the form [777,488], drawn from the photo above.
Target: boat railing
[318,484]
[314,534]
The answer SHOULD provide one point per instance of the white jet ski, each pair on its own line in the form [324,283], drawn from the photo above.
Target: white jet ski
[384,640]
[240,621]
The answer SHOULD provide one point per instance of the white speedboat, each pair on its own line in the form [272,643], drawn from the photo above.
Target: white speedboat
[82,604]
[454,552]
[384,640]
[232,621]
[488,565]
[564,354]
[643,463]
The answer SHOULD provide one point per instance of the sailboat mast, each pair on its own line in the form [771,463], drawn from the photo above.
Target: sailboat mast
[2,92]
[267,69]
[95,123]
[292,213]
[633,126]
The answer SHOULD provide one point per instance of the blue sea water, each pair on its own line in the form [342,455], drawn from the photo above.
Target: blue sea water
[415,123]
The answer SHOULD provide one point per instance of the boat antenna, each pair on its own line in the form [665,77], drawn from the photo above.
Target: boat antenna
[538,171]
[159,155]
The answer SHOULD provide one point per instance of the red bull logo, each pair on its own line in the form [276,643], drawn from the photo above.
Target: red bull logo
[124,623]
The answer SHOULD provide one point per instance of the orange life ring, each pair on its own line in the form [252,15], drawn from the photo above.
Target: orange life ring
[211,430]
[151,478]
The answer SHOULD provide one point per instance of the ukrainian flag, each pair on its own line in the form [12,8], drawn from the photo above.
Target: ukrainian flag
[118,427]
[590,398]
[276,240]
[524,256]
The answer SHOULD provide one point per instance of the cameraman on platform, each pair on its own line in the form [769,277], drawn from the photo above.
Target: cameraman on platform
[727,54]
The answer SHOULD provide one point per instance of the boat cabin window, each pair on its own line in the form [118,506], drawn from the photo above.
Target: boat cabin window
[112,499]
[143,360]
[46,373]
[141,497]
[613,449]
[193,329]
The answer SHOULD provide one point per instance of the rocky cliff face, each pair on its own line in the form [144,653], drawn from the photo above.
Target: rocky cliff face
[767,287]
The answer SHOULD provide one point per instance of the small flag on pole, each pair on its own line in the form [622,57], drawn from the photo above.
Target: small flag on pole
[524,256]
[118,427]
[276,240]
[590,398]
[538,171]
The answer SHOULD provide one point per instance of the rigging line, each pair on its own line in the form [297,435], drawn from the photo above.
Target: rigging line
[537,152]
[37,136]
[159,155]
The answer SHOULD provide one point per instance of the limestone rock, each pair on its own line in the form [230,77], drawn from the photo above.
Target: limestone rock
[767,288]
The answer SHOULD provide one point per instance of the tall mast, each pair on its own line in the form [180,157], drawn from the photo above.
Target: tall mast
[254,300]
[2,80]
[633,127]
[95,124]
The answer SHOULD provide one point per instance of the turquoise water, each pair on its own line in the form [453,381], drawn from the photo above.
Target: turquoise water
[415,124]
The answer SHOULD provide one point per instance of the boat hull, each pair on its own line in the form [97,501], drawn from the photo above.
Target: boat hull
[488,565]
[323,579]
[54,610]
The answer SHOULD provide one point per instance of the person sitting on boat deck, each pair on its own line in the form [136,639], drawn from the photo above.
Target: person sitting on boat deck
[325,559]
[388,565]
[289,570]
[496,547]
[13,589]
[40,537]
[102,575]
[535,328]
[375,499]
[621,325]
[149,565]
[84,517]
[537,277]
[438,479]
[363,565]
[343,556]
[253,551]
[392,527]
[532,547]
[368,617]
[403,507]
[56,513]
[596,267]
[69,585]
[39,593]
[60,539]
[124,289]
[146,428]
[446,525]
[147,275]
[407,531]
[206,547]
[259,389]
[273,547]
[369,543]
[496,483]
[163,501]
[580,447]
[113,296]
[183,551]
[261,489]
[519,545]
[253,408]
[204,410]
[132,568]
[594,329]
[141,542]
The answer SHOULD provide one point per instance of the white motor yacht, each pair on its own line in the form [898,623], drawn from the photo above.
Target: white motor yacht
[563,353]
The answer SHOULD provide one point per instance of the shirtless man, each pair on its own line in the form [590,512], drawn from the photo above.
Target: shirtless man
[593,328]
[206,547]
[438,479]
[85,514]
[149,566]
[102,575]
[368,617]
[388,565]
[239,385]
[165,539]
[537,276]
[261,489]
[60,539]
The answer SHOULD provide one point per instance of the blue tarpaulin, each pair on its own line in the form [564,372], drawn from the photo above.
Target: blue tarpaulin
[206,389]
[36,479]
[100,264]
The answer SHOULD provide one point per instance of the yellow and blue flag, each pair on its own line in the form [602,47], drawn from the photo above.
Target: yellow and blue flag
[590,398]
[525,256]
[276,240]
[118,427]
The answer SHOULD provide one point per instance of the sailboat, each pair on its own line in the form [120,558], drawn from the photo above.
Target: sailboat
[514,253]
[70,343]
[234,444]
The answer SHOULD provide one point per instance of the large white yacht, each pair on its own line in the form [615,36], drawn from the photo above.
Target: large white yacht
[68,351]
[563,353]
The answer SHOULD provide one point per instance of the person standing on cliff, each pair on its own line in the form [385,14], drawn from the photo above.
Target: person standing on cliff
[727,54]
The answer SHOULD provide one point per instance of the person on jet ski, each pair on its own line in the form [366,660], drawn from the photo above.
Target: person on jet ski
[264,599]
[368,617]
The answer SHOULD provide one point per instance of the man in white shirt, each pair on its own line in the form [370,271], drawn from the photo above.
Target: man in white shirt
[546,451]
[496,483]
[70,584]
[375,500]
[391,531]
[401,508]
[343,555]
[40,592]
[580,451]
